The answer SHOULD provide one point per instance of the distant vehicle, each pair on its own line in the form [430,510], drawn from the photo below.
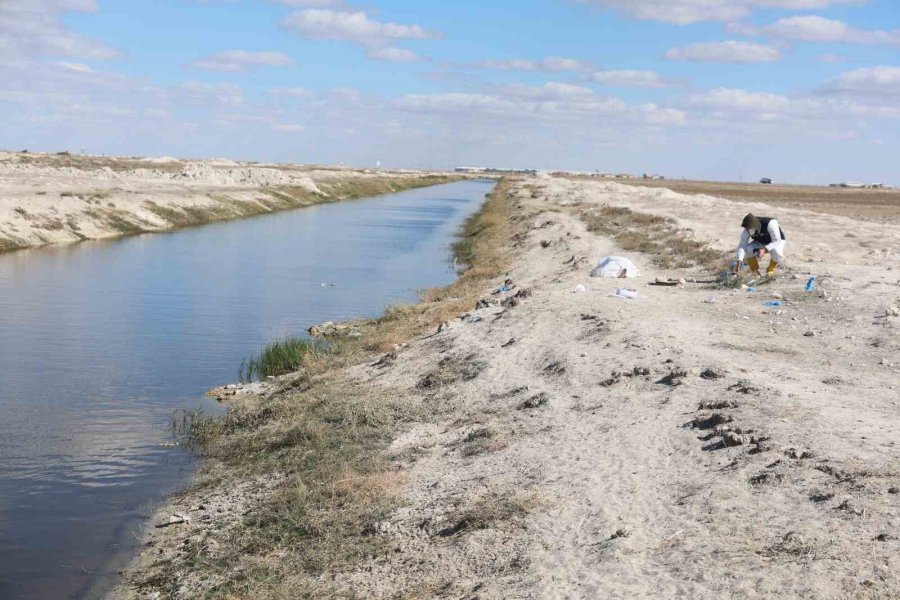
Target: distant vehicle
[766,180]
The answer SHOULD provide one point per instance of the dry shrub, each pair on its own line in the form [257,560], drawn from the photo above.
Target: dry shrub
[670,246]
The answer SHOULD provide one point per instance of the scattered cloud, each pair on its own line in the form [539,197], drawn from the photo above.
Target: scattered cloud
[32,28]
[875,82]
[352,26]
[75,67]
[725,52]
[391,54]
[686,12]
[813,28]
[551,64]
[288,127]
[311,3]
[241,61]
[292,92]
[222,93]
[627,78]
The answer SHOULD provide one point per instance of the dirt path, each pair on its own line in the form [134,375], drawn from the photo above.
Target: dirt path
[596,447]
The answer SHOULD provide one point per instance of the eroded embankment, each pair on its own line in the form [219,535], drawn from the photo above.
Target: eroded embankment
[543,443]
[42,203]
[297,478]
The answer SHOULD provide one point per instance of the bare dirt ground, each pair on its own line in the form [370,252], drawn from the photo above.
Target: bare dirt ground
[589,446]
[54,199]
[868,204]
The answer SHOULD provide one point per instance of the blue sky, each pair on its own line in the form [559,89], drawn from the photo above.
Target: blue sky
[802,90]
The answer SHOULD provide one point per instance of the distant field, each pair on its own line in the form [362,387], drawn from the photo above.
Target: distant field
[870,205]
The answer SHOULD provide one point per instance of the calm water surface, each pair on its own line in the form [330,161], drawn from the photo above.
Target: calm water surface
[100,342]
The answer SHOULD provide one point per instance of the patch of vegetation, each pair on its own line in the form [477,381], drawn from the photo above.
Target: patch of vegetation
[8,245]
[283,356]
[660,237]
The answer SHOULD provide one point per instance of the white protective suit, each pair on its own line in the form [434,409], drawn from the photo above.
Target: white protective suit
[776,248]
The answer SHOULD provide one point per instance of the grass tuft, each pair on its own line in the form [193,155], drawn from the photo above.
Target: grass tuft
[283,356]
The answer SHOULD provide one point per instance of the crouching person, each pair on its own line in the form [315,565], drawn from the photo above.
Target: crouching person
[761,236]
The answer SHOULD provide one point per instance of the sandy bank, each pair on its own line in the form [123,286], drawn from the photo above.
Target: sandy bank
[53,199]
[560,444]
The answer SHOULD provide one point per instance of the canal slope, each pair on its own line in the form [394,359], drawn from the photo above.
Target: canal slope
[57,199]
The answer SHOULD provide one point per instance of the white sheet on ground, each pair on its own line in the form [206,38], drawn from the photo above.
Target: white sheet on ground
[615,266]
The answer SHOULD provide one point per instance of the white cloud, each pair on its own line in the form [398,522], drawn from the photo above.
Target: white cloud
[813,28]
[877,82]
[75,67]
[726,52]
[549,91]
[30,28]
[551,64]
[831,58]
[391,54]
[685,12]
[311,3]
[292,92]
[351,26]
[737,100]
[239,61]
[288,127]
[223,93]
[627,78]
[456,102]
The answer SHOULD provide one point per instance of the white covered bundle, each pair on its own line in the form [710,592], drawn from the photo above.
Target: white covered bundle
[616,267]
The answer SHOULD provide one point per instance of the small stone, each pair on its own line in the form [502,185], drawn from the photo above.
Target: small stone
[892,311]
[732,439]
[810,333]
[712,374]
[894,490]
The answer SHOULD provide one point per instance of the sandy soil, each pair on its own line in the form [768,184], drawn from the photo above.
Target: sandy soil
[879,205]
[661,447]
[54,199]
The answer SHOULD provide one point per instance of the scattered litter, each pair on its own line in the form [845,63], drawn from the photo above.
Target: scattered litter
[665,281]
[711,300]
[616,267]
[503,288]
[579,289]
[750,290]
[773,303]
[176,519]
[631,294]
[811,284]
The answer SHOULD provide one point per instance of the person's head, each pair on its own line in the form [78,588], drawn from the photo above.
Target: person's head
[750,222]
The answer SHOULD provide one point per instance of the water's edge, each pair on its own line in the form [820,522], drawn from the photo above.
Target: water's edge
[108,585]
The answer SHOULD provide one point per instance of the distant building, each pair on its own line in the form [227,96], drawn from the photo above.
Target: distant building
[766,180]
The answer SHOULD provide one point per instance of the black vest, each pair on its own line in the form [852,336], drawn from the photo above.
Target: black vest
[762,236]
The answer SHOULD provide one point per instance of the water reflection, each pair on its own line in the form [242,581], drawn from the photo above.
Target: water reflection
[100,342]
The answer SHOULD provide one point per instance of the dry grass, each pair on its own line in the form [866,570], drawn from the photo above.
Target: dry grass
[654,235]
[328,439]
[854,203]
